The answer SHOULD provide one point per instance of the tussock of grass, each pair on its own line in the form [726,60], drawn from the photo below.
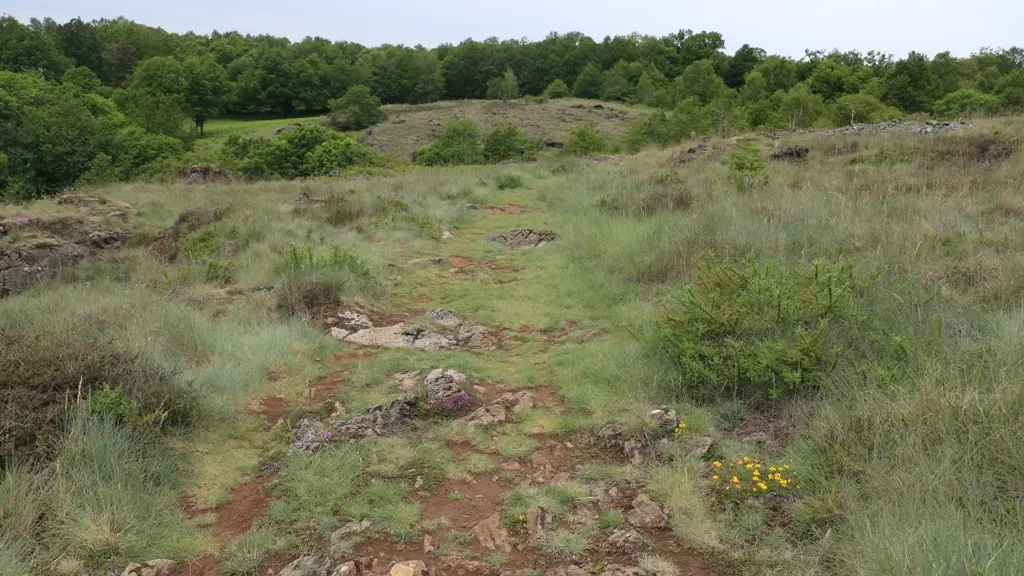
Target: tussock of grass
[244,554]
[562,544]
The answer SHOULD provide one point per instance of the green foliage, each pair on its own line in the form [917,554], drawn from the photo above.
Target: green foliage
[508,181]
[965,103]
[1010,90]
[832,79]
[82,78]
[155,98]
[747,167]
[509,142]
[313,281]
[800,107]
[860,109]
[563,544]
[557,89]
[611,519]
[244,555]
[358,109]
[760,331]
[910,84]
[207,88]
[586,140]
[307,151]
[115,403]
[700,81]
[504,87]
[458,143]
[588,83]
[23,49]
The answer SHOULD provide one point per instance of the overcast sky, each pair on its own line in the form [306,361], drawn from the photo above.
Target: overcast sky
[780,27]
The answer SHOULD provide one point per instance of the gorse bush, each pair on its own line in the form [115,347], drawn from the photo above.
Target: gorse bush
[586,140]
[458,143]
[509,142]
[747,168]
[762,331]
[304,151]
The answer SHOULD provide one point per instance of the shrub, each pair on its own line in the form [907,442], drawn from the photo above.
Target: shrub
[337,153]
[965,103]
[655,128]
[307,151]
[508,142]
[508,181]
[458,143]
[557,89]
[314,281]
[356,110]
[586,140]
[861,109]
[759,331]
[747,168]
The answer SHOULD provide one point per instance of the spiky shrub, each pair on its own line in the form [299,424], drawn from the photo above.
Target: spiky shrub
[762,330]
[747,168]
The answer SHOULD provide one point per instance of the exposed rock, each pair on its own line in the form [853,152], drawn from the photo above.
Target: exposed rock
[791,154]
[516,401]
[407,380]
[523,238]
[206,174]
[23,267]
[625,538]
[151,568]
[567,571]
[428,544]
[617,570]
[556,144]
[400,336]
[409,568]
[538,520]
[444,317]
[354,321]
[492,535]
[458,566]
[304,199]
[701,448]
[350,529]
[664,418]
[305,566]
[346,569]
[474,337]
[646,514]
[108,238]
[614,436]
[486,415]
[443,390]
[446,235]
[691,154]
[339,333]
[612,433]
[379,420]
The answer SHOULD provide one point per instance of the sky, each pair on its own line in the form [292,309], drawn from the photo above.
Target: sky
[784,27]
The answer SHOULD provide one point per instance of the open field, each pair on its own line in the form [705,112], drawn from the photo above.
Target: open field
[849,326]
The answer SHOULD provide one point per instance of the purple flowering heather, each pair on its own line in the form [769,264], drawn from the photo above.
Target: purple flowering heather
[458,401]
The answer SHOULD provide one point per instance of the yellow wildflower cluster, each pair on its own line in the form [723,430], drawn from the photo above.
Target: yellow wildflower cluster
[680,428]
[749,476]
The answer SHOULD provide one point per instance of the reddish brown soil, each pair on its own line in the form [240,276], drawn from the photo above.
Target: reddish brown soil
[326,387]
[505,209]
[205,566]
[460,262]
[249,502]
[271,408]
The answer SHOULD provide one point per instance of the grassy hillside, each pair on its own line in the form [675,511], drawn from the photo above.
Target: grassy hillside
[850,323]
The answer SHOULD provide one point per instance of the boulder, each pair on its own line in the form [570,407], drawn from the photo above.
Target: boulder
[701,448]
[409,568]
[625,539]
[339,333]
[646,513]
[486,415]
[346,569]
[152,568]
[538,520]
[305,566]
[474,337]
[350,529]
[492,535]
[444,317]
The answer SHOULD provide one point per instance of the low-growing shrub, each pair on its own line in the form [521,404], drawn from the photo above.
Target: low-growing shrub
[314,281]
[763,331]
[557,89]
[508,181]
[586,140]
[747,168]
[356,110]
[458,143]
[304,151]
[509,142]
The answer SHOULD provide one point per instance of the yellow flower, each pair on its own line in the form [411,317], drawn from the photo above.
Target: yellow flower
[716,464]
[522,518]
[763,486]
[715,477]
[735,480]
[771,468]
[746,458]
[750,466]
[739,462]
[786,466]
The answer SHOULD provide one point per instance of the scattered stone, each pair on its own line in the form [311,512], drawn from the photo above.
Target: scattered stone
[339,333]
[625,538]
[400,336]
[486,415]
[428,544]
[446,235]
[646,514]
[305,566]
[379,420]
[691,154]
[152,568]
[791,154]
[538,520]
[355,321]
[346,569]
[458,566]
[568,571]
[206,174]
[701,448]
[516,401]
[617,570]
[350,529]
[443,390]
[492,535]
[523,238]
[664,418]
[409,568]
[474,337]
[108,238]
[444,317]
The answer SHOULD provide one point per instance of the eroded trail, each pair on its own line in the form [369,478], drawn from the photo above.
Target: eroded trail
[473,463]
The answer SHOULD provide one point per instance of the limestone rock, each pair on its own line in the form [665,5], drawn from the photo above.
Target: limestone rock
[428,544]
[474,337]
[409,568]
[305,566]
[444,317]
[664,418]
[523,238]
[350,529]
[458,566]
[354,320]
[701,448]
[538,520]
[626,539]
[339,333]
[492,535]
[486,415]
[346,569]
[443,390]
[152,568]
[516,401]
[400,336]
[646,514]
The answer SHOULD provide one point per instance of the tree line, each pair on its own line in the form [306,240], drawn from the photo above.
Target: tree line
[113,95]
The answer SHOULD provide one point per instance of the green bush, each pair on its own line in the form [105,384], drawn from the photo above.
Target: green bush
[557,89]
[306,151]
[313,281]
[508,142]
[508,181]
[747,168]
[761,331]
[338,153]
[965,103]
[458,143]
[861,109]
[586,140]
[356,110]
